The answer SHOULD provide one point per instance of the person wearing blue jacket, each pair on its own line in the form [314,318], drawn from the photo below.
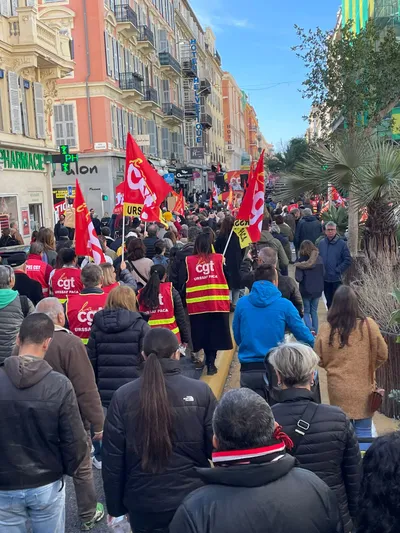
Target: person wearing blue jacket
[337,259]
[259,324]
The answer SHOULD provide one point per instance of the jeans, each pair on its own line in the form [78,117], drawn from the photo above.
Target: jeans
[330,287]
[311,313]
[44,507]
[85,491]
[363,429]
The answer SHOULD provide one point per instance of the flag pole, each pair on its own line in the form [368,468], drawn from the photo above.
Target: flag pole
[228,241]
[123,235]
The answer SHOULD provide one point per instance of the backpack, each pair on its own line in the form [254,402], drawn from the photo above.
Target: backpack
[23,300]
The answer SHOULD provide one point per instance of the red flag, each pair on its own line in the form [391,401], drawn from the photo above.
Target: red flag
[215,193]
[180,203]
[86,240]
[230,199]
[144,188]
[211,202]
[119,206]
[251,211]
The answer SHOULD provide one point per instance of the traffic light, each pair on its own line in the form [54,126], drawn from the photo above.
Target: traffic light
[104,197]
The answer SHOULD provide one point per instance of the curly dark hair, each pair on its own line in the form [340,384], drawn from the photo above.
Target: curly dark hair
[136,250]
[379,503]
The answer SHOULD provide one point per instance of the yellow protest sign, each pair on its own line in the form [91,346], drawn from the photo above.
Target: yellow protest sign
[240,228]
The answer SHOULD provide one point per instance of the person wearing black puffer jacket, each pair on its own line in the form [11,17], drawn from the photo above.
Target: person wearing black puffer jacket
[116,341]
[328,447]
[308,229]
[157,431]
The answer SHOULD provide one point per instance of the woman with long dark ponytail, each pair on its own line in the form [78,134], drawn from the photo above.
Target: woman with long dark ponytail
[163,304]
[157,431]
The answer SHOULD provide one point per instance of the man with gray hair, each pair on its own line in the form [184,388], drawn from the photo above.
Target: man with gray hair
[337,259]
[308,228]
[67,355]
[287,285]
[13,309]
[259,488]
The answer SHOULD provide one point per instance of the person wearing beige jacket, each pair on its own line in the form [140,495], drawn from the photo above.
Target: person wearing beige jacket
[351,348]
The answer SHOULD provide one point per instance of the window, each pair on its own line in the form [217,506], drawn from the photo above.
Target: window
[180,146]
[165,143]
[120,128]
[162,41]
[174,143]
[115,56]
[15,108]
[124,127]
[64,125]
[166,98]
[107,44]
[114,126]
[1,108]
[131,123]
[151,130]
[25,122]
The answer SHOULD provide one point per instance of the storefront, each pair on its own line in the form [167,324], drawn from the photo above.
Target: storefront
[25,190]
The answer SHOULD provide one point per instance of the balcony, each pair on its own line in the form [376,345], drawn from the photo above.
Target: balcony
[150,99]
[253,128]
[205,87]
[173,114]
[131,84]
[218,58]
[146,40]
[169,65]
[190,110]
[189,68]
[127,22]
[206,121]
[35,43]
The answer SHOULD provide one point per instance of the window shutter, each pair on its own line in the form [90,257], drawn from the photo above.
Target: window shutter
[39,110]
[58,125]
[120,132]
[15,109]
[165,91]
[124,130]
[30,3]
[121,58]
[1,114]
[5,8]
[114,126]
[24,109]
[163,43]
[180,146]
[151,130]
[108,53]
[165,143]
[116,60]
[69,124]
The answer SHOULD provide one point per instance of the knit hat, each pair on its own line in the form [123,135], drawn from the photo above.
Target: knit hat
[168,216]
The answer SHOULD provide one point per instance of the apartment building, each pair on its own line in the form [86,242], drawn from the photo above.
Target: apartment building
[234,103]
[252,132]
[34,54]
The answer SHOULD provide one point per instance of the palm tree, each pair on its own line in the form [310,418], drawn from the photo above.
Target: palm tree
[368,171]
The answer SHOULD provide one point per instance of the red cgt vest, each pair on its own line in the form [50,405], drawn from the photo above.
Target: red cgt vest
[206,288]
[80,310]
[36,269]
[164,315]
[109,288]
[66,282]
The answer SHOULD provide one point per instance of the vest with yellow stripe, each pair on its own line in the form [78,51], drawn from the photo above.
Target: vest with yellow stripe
[164,315]
[207,290]
[80,310]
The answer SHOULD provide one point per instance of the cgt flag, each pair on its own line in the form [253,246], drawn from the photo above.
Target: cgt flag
[86,240]
[144,188]
[249,219]
[179,207]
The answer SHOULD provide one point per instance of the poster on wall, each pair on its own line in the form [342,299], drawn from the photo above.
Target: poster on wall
[59,195]
[25,222]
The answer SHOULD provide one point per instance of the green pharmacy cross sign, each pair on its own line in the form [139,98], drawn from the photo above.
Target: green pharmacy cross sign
[67,158]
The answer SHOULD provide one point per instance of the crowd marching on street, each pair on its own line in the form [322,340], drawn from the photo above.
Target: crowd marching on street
[94,352]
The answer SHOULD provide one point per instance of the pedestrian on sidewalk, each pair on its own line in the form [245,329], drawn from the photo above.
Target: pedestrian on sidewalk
[255,486]
[308,229]
[208,302]
[67,355]
[337,259]
[42,437]
[259,324]
[310,275]
[157,431]
[351,348]
[163,305]
[327,445]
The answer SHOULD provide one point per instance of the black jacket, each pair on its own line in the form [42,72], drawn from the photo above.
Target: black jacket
[28,287]
[149,242]
[308,229]
[42,437]
[115,349]
[268,497]
[126,486]
[233,256]
[286,285]
[329,448]
[311,280]
[178,270]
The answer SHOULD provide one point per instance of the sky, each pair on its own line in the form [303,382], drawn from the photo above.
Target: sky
[254,38]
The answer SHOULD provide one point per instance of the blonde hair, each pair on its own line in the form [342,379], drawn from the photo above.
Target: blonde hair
[108,271]
[122,297]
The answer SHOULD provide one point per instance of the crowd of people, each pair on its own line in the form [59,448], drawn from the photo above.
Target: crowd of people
[92,375]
